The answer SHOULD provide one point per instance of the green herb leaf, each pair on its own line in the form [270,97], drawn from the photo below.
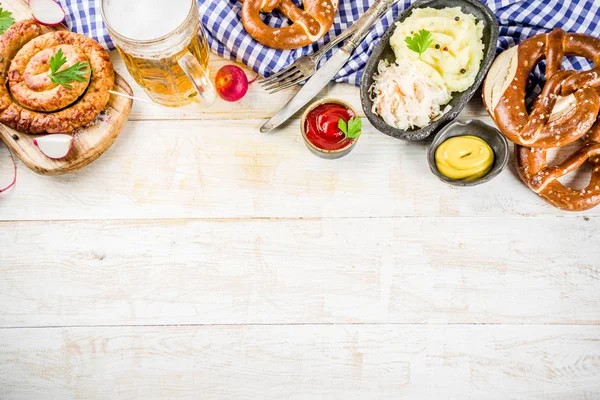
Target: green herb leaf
[57,60]
[75,72]
[342,125]
[6,20]
[352,129]
[419,42]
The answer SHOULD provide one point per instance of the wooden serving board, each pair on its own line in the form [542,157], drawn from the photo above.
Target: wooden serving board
[89,143]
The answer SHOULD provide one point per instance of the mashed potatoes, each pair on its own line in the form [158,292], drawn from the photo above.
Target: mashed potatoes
[456,51]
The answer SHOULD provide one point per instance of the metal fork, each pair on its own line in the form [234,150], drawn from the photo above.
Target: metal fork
[303,68]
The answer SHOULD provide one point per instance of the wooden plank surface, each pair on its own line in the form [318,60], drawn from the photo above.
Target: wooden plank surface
[300,362]
[198,258]
[404,270]
[228,169]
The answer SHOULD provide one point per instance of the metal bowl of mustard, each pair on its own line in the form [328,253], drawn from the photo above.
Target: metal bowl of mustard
[479,157]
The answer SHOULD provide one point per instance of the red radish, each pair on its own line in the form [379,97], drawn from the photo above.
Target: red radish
[47,12]
[232,83]
[55,146]
[14,179]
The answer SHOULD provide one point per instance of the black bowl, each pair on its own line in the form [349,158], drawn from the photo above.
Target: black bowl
[490,135]
[383,51]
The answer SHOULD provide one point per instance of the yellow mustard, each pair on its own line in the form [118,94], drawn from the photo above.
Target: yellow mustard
[464,158]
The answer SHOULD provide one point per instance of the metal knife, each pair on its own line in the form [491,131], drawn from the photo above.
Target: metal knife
[322,77]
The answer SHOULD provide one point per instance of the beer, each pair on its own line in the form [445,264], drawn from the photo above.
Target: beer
[163,47]
[163,78]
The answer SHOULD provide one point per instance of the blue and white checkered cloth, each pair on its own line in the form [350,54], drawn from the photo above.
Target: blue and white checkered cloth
[519,19]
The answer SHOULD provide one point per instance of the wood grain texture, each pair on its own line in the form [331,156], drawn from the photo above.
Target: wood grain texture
[228,169]
[404,270]
[297,277]
[89,143]
[299,362]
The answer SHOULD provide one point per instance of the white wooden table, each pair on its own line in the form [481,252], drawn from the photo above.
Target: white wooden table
[201,259]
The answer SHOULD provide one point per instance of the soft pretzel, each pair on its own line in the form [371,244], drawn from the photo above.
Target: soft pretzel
[308,25]
[543,179]
[569,103]
[41,106]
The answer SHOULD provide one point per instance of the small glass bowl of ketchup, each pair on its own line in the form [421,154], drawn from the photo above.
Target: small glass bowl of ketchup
[319,126]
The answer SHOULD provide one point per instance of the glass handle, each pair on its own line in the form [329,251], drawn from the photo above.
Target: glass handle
[199,78]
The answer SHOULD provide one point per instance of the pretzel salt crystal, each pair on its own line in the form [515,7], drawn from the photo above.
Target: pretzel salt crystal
[566,111]
[545,127]
[543,179]
[309,25]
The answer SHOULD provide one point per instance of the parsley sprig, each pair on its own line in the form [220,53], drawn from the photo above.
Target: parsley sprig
[75,72]
[419,42]
[352,129]
[6,20]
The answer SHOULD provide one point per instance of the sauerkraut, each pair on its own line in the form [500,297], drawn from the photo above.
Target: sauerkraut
[408,94]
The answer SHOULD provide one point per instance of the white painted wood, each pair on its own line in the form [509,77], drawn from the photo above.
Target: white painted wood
[301,362]
[194,217]
[228,169]
[404,270]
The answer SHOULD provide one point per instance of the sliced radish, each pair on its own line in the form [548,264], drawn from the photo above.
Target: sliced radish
[47,12]
[14,179]
[55,146]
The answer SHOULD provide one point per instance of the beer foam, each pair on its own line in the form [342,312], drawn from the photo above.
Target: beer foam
[146,19]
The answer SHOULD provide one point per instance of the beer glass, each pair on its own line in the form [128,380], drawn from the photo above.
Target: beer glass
[164,48]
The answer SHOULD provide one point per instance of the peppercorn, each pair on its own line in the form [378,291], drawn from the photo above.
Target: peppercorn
[15,137]
[463,71]
[437,46]
[456,18]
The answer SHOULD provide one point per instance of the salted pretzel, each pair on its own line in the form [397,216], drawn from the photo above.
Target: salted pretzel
[308,25]
[543,179]
[569,103]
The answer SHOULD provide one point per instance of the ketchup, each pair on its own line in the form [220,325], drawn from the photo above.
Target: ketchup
[321,126]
